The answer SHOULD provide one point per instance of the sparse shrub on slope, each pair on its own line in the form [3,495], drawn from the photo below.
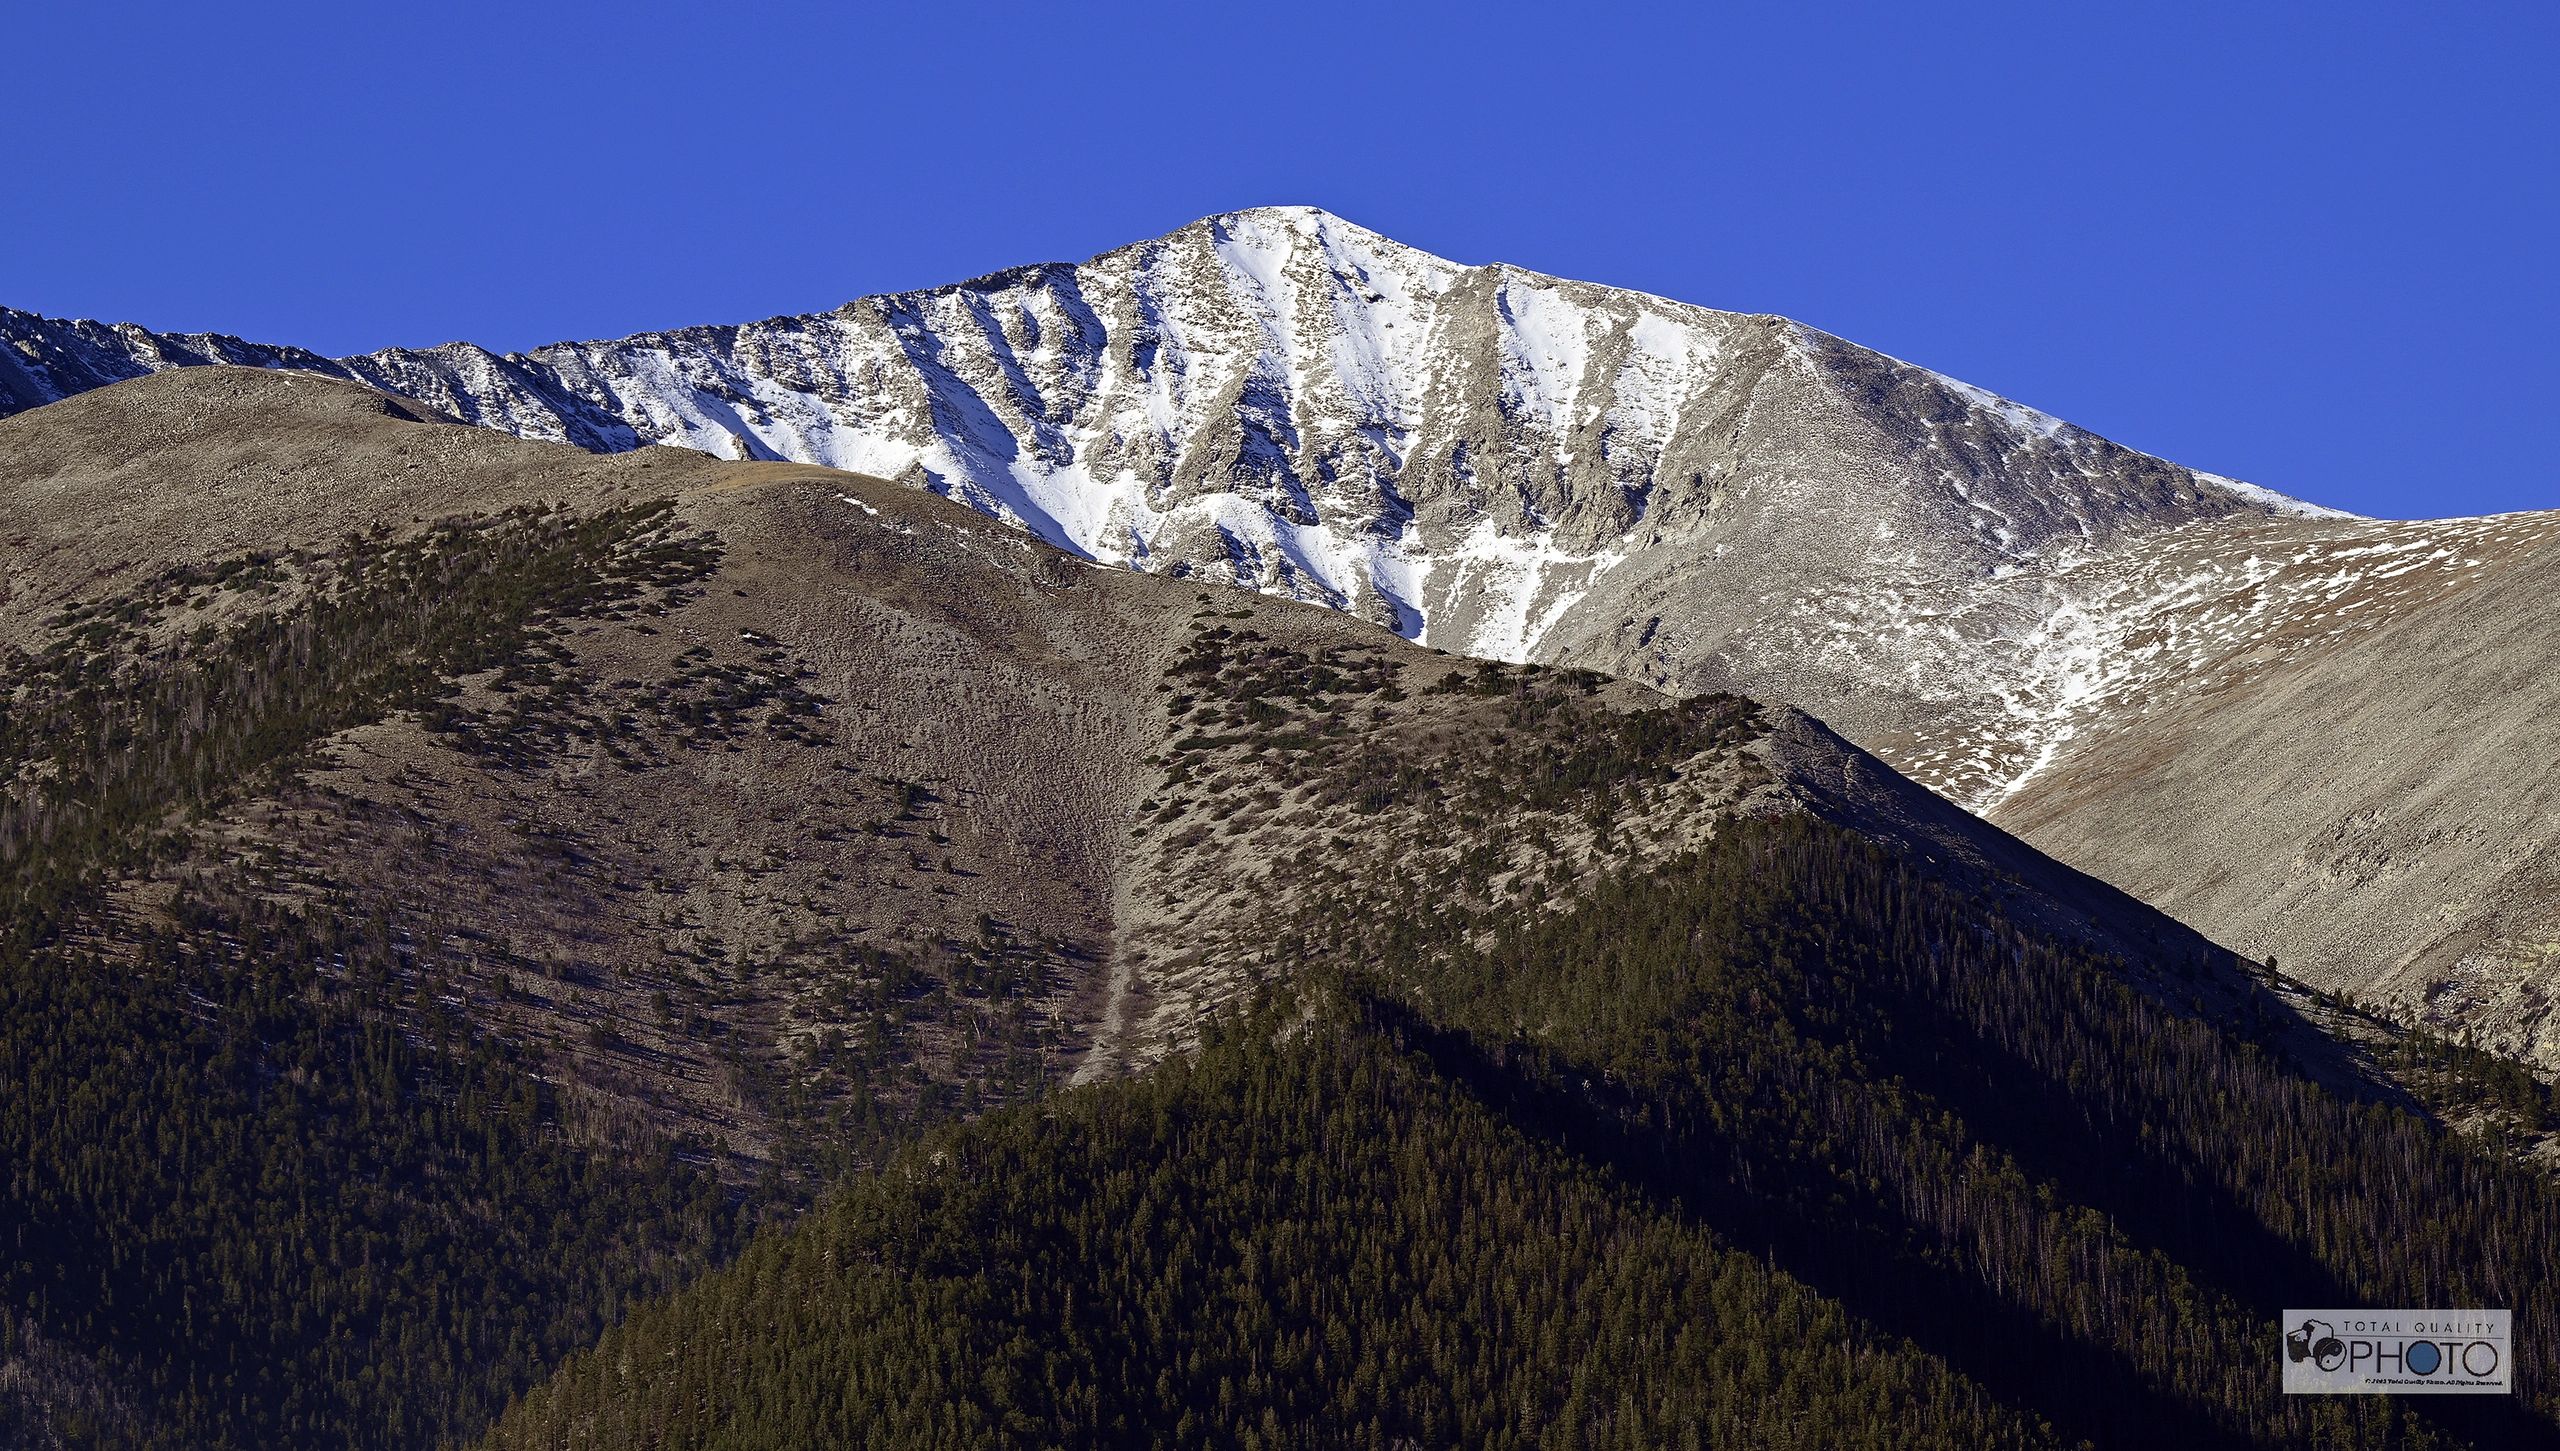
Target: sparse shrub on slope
[160,701]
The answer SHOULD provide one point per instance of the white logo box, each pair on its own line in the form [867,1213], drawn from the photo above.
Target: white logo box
[2398,1352]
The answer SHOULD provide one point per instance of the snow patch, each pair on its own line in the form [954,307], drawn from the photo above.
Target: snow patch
[2018,416]
[1546,351]
[2270,499]
[1520,587]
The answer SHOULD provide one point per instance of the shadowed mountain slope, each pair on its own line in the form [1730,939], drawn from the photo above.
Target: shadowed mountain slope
[1779,1144]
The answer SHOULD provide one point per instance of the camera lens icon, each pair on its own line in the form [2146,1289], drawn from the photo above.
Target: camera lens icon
[2317,1342]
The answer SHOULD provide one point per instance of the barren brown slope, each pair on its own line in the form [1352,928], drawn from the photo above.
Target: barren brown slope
[816,787]
[2338,751]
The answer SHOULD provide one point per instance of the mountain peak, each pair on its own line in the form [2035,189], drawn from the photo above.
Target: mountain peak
[1305,220]
[1291,213]
[1490,462]
[1483,459]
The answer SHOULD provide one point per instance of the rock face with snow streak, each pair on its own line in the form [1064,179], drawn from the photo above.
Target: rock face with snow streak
[1487,460]
[2329,742]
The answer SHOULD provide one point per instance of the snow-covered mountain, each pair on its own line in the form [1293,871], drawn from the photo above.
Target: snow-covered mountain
[1487,460]
[2034,621]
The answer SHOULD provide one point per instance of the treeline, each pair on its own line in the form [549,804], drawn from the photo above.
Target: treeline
[2460,1075]
[1785,1145]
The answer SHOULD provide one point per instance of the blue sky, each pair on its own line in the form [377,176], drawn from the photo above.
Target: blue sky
[2306,245]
